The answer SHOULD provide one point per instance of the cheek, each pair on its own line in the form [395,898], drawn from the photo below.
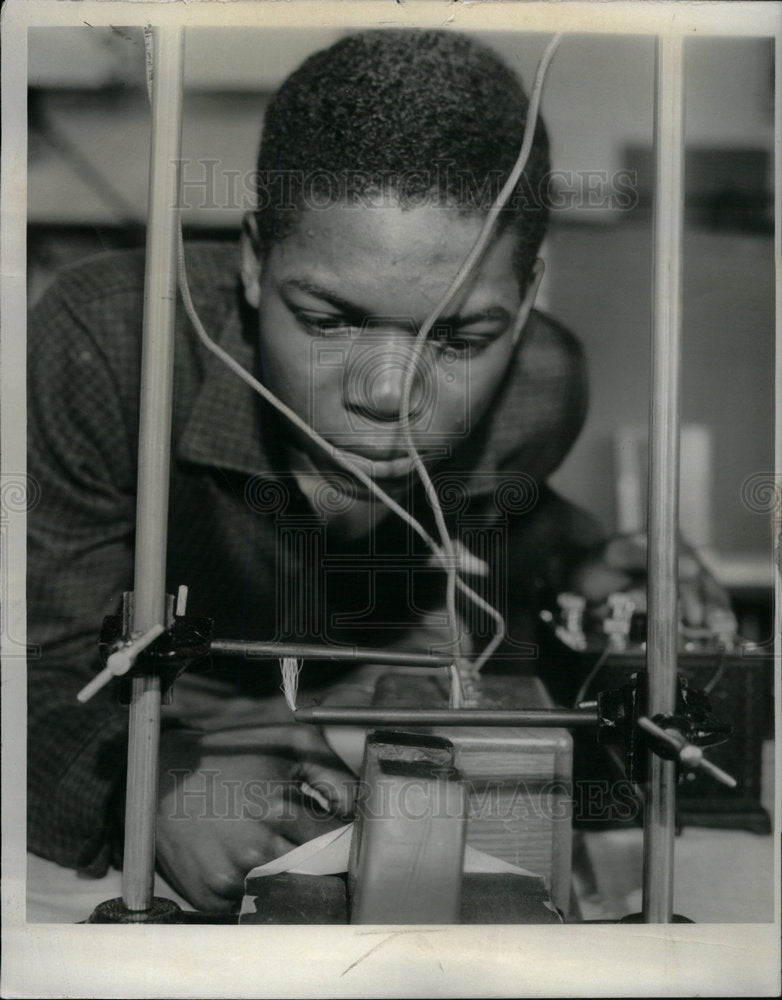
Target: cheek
[283,354]
[477,381]
[295,367]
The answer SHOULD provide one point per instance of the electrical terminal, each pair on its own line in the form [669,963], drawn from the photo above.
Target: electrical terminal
[617,625]
[571,627]
[724,627]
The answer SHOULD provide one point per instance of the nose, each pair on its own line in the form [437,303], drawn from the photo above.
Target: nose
[374,382]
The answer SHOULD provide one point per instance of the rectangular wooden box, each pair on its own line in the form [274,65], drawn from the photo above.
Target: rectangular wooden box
[519,779]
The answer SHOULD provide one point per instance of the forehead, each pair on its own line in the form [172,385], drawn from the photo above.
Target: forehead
[382,254]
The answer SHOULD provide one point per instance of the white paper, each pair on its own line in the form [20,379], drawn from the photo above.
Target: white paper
[329,854]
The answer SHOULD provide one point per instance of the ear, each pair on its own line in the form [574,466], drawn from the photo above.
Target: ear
[250,246]
[529,299]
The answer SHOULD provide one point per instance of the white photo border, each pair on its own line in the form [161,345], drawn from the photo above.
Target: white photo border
[325,961]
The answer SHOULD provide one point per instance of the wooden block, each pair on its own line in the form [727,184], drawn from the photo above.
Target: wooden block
[297,899]
[518,779]
[505,898]
[408,844]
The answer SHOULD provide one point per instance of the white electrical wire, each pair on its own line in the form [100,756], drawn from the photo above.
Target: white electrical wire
[445,552]
[461,277]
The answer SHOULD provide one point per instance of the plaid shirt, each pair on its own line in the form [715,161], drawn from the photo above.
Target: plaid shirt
[256,556]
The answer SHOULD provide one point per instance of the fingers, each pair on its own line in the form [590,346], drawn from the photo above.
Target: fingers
[307,819]
[244,797]
[218,884]
[325,774]
[290,741]
[692,608]
[595,581]
[626,553]
[621,567]
[705,604]
[280,740]
[619,564]
[286,754]
[334,788]
[629,553]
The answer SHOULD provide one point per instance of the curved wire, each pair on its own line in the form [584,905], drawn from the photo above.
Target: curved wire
[464,272]
[444,552]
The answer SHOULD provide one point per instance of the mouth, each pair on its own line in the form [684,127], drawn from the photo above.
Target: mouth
[387,463]
[380,464]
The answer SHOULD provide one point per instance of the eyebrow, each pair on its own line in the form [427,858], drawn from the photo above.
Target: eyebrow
[311,288]
[352,309]
[491,313]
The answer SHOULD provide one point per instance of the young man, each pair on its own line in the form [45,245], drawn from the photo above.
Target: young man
[379,160]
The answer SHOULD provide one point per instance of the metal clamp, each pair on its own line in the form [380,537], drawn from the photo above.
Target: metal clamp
[691,727]
[163,650]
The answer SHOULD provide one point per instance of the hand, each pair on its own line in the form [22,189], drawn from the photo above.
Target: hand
[620,565]
[234,799]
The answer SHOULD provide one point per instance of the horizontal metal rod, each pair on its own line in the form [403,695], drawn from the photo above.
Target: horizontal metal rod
[565,718]
[302,651]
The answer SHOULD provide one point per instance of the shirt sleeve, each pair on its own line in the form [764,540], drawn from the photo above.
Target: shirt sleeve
[80,545]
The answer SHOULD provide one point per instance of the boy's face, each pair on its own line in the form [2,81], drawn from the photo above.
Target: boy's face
[340,300]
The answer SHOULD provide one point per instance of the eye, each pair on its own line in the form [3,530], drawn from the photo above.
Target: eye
[464,342]
[470,346]
[472,335]
[323,324]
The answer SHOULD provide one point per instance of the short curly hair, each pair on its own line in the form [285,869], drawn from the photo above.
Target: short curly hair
[415,115]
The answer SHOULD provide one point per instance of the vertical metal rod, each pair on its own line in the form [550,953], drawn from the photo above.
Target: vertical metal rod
[154,453]
[777,522]
[664,467]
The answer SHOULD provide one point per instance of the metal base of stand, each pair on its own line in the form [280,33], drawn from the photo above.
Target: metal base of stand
[114,911]
[638,918]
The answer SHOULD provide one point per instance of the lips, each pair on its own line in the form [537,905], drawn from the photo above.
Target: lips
[384,466]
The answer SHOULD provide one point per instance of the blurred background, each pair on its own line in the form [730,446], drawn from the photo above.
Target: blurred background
[87,189]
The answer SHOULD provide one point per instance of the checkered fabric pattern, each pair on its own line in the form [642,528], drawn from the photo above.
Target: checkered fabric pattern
[255,556]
